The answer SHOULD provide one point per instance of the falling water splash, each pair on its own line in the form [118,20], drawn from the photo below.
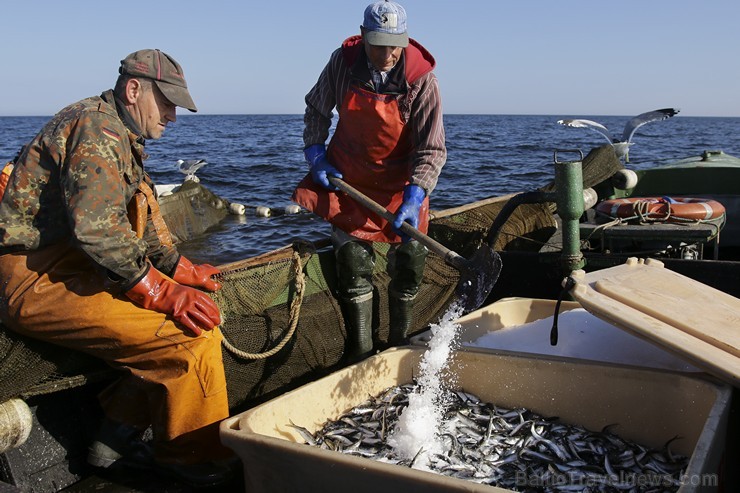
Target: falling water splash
[415,437]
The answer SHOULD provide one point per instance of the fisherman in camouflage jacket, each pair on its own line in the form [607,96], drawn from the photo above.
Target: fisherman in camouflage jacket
[86,262]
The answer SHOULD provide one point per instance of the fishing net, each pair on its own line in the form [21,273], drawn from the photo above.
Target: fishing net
[283,304]
[191,210]
[260,295]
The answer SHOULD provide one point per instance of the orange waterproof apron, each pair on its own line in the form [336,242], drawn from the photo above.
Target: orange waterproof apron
[372,148]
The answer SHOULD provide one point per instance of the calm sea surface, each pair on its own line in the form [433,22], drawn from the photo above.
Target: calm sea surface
[257,160]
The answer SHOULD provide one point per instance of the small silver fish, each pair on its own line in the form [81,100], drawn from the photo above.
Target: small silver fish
[499,446]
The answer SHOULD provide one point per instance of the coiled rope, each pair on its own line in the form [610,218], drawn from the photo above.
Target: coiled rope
[641,209]
[295,311]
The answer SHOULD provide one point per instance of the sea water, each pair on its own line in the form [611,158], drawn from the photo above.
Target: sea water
[416,434]
[257,160]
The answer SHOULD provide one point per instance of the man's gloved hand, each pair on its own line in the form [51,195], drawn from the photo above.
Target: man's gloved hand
[198,276]
[190,307]
[413,197]
[320,167]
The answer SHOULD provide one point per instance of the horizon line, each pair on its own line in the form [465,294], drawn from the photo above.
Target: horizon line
[444,114]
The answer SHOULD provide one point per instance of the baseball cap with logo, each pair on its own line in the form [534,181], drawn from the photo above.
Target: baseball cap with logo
[164,71]
[385,24]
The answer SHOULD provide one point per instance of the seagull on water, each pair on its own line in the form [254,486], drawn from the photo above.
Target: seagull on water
[189,167]
[621,146]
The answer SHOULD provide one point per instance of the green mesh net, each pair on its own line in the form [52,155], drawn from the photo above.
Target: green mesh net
[191,210]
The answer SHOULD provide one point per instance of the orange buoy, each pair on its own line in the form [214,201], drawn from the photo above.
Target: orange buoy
[662,208]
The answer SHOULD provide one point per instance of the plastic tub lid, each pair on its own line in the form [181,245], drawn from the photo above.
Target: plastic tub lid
[676,312]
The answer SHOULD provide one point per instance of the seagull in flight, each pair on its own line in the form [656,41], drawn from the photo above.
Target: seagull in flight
[621,146]
[189,167]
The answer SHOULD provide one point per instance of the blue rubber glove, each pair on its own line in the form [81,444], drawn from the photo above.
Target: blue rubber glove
[413,197]
[320,167]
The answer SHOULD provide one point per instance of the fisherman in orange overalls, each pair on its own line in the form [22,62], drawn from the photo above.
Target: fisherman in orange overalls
[389,144]
[77,273]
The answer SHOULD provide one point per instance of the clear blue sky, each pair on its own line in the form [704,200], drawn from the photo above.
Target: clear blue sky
[569,58]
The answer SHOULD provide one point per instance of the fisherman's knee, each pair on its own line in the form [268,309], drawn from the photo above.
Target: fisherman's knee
[355,265]
[406,268]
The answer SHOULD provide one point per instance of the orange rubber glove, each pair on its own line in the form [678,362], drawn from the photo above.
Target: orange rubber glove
[198,276]
[188,306]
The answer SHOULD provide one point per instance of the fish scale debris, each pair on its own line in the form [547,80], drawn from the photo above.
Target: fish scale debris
[514,449]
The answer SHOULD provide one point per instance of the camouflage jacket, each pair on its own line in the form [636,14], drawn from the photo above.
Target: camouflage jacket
[72,184]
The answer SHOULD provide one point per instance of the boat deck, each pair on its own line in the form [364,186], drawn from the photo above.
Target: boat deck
[133,482]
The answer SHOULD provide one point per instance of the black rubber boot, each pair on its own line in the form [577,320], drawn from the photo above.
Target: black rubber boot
[118,447]
[401,317]
[355,264]
[358,319]
[119,444]
[406,268]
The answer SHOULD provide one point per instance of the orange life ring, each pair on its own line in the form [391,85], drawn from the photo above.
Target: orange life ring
[662,208]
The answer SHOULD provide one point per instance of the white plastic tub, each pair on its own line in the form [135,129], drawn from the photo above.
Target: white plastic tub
[649,407]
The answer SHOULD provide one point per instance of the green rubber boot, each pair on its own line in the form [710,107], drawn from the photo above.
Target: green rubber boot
[400,320]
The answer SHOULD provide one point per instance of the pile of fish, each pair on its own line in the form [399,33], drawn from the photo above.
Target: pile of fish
[509,448]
